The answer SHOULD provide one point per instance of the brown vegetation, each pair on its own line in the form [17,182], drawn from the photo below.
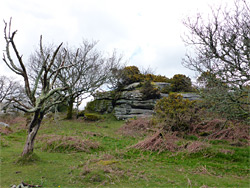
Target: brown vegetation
[137,127]
[159,142]
[59,143]
[221,129]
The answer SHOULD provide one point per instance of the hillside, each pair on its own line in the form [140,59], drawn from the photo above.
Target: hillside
[79,153]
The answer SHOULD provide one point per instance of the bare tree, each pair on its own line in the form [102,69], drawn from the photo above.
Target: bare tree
[220,48]
[92,71]
[39,99]
[8,87]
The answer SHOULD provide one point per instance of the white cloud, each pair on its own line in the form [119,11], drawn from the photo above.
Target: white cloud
[146,31]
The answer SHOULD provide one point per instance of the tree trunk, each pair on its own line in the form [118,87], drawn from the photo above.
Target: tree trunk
[70,108]
[32,132]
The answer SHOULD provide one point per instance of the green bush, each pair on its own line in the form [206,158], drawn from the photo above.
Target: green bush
[181,83]
[92,117]
[90,107]
[156,78]
[81,113]
[149,91]
[130,75]
[175,112]
[166,89]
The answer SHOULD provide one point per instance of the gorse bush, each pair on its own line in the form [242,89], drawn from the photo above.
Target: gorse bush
[155,78]
[149,91]
[92,117]
[132,74]
[180,83]
[175,113]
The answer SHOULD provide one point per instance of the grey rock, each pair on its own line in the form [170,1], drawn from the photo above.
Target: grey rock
[103,106]
[161,84]
[130,103]
[132,86]
[191,96]
[141,111]
[4,124]
[124,117]
[134,95]
[104,95]
[164,95]
[146,104]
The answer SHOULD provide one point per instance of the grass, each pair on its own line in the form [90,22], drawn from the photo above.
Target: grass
[114,163]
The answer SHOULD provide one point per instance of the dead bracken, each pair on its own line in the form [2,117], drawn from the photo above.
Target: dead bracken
[159,142]
[64,144]
[137,127]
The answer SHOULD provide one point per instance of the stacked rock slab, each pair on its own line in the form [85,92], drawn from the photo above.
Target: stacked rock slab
[130,103]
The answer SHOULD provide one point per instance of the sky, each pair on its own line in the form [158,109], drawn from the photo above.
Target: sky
[146,32]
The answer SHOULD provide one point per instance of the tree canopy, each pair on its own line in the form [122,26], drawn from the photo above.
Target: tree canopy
[220,53]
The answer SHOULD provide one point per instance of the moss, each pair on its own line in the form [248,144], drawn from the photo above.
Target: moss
[92,117]
[101,106]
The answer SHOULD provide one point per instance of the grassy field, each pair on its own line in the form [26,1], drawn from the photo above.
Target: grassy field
[111,161]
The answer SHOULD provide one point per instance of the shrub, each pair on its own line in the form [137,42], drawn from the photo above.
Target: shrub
[156,78]
[181,82]
[166,89]
[149,91]
[81,113]
[90,107]
[130,75]
[176,113]
[92,117]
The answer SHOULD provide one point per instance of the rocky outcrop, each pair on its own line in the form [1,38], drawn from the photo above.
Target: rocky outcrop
[130,103]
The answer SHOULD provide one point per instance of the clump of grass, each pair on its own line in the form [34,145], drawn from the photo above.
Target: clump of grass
[65,144]
[27,159]
[4,142]
[106,170]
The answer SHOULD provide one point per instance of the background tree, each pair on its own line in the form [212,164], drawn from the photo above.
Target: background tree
[39,99]
[8,87]
[91,71]
[221,46]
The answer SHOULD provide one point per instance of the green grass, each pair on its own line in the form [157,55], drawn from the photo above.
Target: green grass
[115,164]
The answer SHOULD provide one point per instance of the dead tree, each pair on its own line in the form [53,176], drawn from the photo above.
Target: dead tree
[39,99]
